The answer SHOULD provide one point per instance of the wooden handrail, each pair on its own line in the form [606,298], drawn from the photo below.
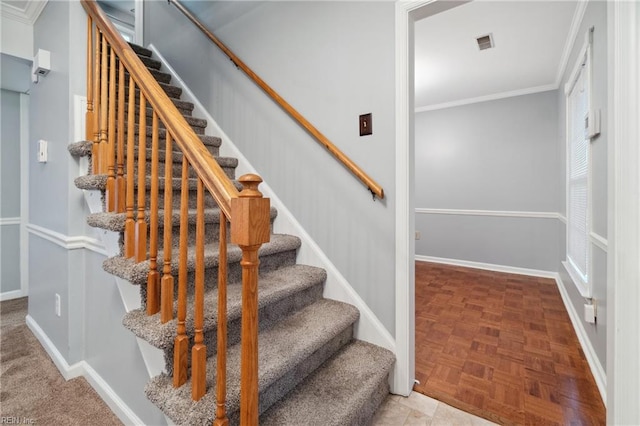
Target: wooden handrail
[212,175]
[372,185]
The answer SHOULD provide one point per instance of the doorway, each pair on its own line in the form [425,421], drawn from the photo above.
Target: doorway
[127,16]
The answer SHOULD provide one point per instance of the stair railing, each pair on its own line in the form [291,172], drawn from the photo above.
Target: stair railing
[118,83]
[341,157]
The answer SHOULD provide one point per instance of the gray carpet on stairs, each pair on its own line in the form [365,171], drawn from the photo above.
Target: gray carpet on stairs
[311,371]
[287,353]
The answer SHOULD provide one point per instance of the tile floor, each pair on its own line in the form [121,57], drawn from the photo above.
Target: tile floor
[417,409]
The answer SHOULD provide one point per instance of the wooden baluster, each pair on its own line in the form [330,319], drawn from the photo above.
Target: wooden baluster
[104,80]
[153,279]
[111,131]
[95,152]
[89,115]
[249,230]
[199,351]
[166,286]
[221,366]
[129,224]
[141,224]
[120,181]
[181,345]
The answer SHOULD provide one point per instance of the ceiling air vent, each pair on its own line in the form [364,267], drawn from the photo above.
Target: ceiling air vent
[485,42]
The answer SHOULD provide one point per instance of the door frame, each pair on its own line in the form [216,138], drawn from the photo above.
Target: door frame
[406,13]
[623,317]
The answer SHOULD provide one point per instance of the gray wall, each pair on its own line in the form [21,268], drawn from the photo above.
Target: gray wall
[332,62]
[90,326]
[491,156]
[9,191]
[596,16]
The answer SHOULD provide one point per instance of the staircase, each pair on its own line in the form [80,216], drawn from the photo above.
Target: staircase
[311,370]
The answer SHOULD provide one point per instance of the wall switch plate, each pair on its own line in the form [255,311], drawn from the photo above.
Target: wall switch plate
[42,151]
[418,235]
[365,125]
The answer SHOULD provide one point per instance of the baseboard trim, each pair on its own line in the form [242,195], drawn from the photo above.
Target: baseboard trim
[110,397]
[84,369]
[369,327]
[10,295]
[599,374]
[488,266]
[68,371]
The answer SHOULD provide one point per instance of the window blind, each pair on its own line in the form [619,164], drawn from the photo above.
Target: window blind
[578,175]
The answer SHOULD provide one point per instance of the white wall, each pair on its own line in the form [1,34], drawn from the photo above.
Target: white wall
[484,174]
[17,38]
[332,62]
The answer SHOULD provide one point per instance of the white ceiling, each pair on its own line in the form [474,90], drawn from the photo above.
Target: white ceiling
[531,38]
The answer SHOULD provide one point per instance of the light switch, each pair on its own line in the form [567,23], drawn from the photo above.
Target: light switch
[42,151]
[365,125]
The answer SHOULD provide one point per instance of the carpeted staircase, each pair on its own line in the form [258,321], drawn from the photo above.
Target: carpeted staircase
[311,370]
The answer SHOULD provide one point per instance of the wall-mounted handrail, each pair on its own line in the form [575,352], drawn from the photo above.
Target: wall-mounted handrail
[212,175]
[372,185]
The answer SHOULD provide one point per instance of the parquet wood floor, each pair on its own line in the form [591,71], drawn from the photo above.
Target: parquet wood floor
[502,347]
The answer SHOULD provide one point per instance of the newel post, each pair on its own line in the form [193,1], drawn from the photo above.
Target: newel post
[250,228]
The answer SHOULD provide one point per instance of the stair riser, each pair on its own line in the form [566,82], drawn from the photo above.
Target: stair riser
[162,133]
[150,63]
[192,121]
[140,50]
[171,91]
[161,77]
[176,169]
[185,108]
[162,141]
[268,316]
[234,270]
[211,230]
[146,60]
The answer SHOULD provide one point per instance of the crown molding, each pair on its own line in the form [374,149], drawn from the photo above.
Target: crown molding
[28,15]
[486,98]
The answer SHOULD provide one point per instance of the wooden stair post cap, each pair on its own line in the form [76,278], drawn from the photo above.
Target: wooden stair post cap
[250,214]
[250,184]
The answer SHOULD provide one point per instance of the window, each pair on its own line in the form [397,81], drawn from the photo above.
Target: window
[577,93]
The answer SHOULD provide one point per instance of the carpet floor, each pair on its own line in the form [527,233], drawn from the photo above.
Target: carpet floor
[32,390]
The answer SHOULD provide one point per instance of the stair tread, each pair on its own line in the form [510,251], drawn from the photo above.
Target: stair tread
[115,221]
[88,182]
[336,393]
[136,273]
[280,349]
[273,287]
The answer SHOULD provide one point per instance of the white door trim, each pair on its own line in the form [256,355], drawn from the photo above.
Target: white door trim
[139,22]
[24,193]
[623,270]
[407,12]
